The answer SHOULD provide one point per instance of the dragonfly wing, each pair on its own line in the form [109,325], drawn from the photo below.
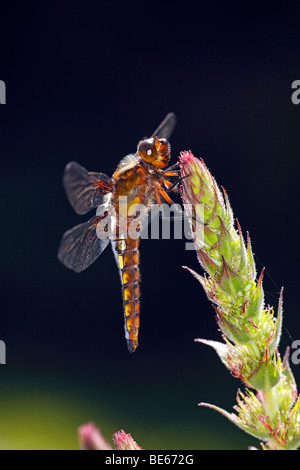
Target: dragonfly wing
[85,190]
[80,246]
[166,127]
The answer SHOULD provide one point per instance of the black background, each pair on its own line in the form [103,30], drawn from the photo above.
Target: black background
[85,81]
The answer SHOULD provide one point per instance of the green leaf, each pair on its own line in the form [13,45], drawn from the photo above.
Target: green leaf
[250,258]
[275,342]
[288,374]
[230,282]
[265,376]
[225,246]
[242,251]
[255,306]
[258,433]
[207,262]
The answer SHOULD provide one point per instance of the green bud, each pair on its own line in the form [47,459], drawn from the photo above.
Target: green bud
[233,332]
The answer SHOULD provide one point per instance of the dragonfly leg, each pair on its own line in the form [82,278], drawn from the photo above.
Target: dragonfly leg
[173,186]
[171,169]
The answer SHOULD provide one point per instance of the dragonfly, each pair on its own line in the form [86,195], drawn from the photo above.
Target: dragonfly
[140,179]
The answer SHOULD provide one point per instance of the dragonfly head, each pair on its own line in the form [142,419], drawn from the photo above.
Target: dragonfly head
[155,151]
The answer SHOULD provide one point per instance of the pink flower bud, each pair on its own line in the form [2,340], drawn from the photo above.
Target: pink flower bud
[90,438]
[123,441]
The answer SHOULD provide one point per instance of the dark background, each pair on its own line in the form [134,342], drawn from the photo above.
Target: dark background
[85,81]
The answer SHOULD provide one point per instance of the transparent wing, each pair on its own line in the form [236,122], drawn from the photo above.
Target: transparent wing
[80,246]
[85,190]
[166,127]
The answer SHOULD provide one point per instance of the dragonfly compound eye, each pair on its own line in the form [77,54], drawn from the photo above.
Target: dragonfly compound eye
[147,150]
[155,151]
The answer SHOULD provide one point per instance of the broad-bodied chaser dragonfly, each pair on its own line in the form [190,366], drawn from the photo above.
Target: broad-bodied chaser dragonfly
[140,179]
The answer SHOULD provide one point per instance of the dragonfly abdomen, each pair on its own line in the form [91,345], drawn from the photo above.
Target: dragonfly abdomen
[127,256]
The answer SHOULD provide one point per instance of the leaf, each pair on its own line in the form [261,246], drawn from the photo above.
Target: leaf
[265,376]
[258,433]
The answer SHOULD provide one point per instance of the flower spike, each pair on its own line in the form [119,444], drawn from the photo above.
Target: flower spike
[250,330]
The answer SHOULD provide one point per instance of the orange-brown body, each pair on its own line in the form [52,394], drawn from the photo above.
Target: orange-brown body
[136,182]
[130,183]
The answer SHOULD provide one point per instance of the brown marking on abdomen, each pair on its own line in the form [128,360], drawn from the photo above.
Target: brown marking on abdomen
[127,255]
